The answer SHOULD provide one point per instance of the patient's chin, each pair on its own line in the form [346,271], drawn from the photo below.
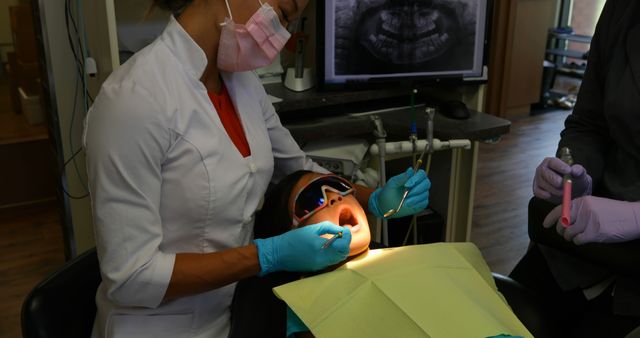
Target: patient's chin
[353,251]
[360,241]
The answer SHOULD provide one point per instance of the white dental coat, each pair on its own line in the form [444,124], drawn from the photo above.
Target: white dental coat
[165,178]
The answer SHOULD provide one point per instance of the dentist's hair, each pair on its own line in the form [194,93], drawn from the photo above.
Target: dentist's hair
[275,218]
[174,6]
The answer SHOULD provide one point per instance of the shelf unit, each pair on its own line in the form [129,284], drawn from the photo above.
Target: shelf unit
[557,53]
[566,53]
[570,37]
[558,50]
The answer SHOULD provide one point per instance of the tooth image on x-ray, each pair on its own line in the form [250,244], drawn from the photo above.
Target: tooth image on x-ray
[396,36]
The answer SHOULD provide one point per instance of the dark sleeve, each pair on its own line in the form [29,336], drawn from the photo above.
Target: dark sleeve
[586,132]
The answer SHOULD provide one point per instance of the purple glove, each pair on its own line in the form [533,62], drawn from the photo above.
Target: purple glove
[597,219]
[547,184]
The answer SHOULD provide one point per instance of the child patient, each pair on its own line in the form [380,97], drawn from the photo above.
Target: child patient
[300,199]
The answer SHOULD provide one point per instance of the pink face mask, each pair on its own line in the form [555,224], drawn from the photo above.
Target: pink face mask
[252,45]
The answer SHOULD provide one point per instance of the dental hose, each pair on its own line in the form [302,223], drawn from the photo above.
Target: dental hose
[414,220]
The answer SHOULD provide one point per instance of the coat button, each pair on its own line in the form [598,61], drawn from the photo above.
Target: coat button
[253,168]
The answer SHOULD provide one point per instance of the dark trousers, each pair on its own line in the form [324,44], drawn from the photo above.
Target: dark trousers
[579,317]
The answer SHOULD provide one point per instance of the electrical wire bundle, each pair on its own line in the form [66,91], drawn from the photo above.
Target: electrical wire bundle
[77,42]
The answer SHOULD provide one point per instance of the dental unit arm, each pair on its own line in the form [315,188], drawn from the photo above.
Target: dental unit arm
[380,134]
[405,147]
[382,148]
[417,164]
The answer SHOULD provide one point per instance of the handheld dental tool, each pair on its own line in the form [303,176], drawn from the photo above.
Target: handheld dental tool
[430,114]
[565,219]
[413,129]
[331,240]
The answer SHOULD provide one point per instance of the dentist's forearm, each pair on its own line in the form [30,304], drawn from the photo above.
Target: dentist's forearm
[194,273]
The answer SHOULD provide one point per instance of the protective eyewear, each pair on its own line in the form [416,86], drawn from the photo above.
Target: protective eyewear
[313,196]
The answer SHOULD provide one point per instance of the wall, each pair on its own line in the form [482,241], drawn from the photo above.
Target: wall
[61,69]
[518,44]
[136,11]
[584,16]
[102,40]
[6,40]
[102,31]
[533,20]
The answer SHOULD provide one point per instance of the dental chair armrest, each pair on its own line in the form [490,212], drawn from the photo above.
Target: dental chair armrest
[530,308]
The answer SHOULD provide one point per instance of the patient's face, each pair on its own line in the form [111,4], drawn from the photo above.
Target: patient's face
[341,210]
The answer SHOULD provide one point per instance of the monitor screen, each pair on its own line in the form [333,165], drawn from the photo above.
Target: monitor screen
[373,41]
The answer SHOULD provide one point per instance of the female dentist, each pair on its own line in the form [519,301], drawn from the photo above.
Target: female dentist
[181,144]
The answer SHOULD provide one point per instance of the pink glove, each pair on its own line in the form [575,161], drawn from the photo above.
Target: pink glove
[547,183]
[597,219]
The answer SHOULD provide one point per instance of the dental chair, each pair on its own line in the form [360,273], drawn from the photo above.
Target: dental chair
[532,310]
[256,311]
[63,304]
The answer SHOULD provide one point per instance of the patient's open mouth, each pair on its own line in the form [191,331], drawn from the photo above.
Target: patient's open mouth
[348,219]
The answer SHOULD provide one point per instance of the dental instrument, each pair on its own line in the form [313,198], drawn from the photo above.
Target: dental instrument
[414,220]
[380,134]
[331,240]
[413,129]
[565,219]
[414,149]
[430,113]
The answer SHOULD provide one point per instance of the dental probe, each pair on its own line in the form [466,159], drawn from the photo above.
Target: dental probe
[430,113]
[331,240]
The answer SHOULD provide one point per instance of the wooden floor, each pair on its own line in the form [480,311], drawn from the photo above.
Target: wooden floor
[31,244]
[504,187]
[31,240]
[30,249]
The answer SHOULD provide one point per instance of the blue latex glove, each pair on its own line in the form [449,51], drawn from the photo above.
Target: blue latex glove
[301,249]
[547,183]
[597,219]
[294,324]
[388,197]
